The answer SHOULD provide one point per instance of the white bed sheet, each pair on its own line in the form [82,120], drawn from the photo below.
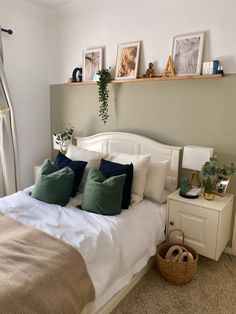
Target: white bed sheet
[113,247]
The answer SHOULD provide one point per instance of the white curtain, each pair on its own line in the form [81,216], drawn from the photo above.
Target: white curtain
[9,169]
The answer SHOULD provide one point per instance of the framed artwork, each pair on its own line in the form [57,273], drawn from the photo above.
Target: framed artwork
[221,185]
[187,53]
[92,63]
[127,61]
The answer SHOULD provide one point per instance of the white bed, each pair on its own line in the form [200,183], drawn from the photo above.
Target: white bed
[114,248]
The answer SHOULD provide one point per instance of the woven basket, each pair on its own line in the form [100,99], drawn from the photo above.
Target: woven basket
[177,273]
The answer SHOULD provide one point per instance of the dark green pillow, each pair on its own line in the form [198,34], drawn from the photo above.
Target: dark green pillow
[53,186]
[101,195]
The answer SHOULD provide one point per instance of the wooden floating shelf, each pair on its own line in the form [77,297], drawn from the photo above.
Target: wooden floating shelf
[80,83]
[156,78]
[172,78]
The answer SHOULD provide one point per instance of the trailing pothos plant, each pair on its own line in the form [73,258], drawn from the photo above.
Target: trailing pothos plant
[103,93]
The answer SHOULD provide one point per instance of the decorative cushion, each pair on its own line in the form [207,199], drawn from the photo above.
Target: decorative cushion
[101,195]
[140,164]
[156,179]
[163,197]
[171,183]
[53,186]
[93,160]
[110,169]
[62,161]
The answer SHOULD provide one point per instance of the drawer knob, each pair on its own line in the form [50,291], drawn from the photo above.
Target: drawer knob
[171,223]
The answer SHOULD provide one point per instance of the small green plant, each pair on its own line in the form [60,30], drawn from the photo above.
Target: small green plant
[211,169]
[103,93]
[64,136]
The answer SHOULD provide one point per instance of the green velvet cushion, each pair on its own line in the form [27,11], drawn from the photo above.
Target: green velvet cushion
[101,195]
[53,186]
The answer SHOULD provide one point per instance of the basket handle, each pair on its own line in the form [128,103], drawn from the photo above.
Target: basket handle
[174,230]
[187,251]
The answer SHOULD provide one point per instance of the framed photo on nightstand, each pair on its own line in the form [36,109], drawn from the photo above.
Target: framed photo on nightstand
[221,185]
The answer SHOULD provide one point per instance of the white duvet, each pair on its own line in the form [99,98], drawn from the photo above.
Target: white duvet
[113,247]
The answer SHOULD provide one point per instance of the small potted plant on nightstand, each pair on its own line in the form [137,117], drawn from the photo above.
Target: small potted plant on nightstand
[63,138]
[210,171]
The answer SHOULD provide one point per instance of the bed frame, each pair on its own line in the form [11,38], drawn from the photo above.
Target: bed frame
[133,144]
[120,142]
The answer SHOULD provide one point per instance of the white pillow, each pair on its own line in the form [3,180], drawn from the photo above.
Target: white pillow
[140,164]
[93,158]
[171,183]
[156,179]
[78,153]
[163,197]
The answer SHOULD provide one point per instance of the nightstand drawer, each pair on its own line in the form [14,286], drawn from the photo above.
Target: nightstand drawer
[198,224]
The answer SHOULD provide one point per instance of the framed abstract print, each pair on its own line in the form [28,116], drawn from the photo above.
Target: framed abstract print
[92,63]
[187,53]
[127,61]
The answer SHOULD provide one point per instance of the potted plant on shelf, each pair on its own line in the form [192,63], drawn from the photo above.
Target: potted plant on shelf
[210,171]
[63,138]
[103,93]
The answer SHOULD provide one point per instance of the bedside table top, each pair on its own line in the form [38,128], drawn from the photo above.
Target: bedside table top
[218,203]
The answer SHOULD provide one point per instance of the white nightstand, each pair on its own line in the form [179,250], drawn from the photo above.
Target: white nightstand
[36,171]
[206,224]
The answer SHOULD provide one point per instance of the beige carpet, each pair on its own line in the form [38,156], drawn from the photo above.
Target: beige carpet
[213,290]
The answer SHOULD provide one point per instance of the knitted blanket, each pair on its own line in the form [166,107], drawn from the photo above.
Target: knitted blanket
[40,274]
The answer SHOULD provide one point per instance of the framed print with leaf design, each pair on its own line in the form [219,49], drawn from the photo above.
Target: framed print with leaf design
[221,185]
[127,61]
[187,53]
[92,63]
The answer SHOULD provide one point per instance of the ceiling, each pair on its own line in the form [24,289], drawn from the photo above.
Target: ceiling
[50,4]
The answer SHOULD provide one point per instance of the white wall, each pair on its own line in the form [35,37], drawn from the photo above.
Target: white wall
[26,66]
[87,24]
[31,53]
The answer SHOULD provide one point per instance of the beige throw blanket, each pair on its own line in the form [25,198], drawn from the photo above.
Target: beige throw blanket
[40,274]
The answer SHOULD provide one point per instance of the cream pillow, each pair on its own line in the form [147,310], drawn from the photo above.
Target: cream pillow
[156,178]
[164,196]
[92,157]
[140,164]
[171,183]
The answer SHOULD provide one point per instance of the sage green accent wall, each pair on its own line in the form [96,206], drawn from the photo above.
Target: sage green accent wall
[196,112]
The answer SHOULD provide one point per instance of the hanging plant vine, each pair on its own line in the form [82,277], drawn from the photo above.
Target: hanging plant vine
[103,93]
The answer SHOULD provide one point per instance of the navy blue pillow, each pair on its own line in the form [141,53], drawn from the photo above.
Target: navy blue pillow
[62,161]
[110,169]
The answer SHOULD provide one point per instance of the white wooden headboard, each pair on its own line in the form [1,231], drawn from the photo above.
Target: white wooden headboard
[120,142]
